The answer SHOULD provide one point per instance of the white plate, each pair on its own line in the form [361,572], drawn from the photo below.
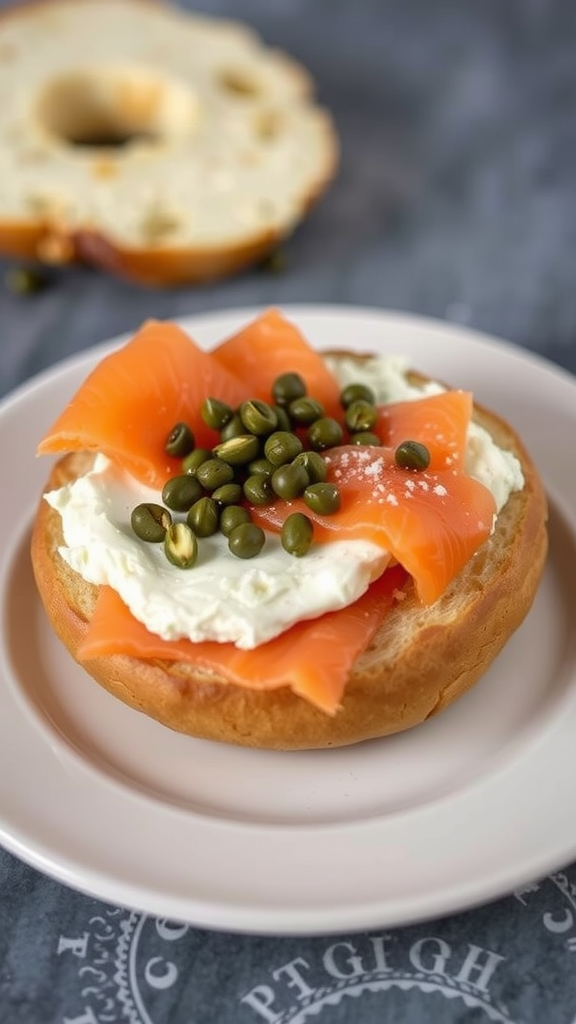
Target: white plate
[456,812]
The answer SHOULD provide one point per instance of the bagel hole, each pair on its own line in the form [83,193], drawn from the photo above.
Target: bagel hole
[115,108]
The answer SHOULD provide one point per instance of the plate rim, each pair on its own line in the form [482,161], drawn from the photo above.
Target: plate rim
[242,918]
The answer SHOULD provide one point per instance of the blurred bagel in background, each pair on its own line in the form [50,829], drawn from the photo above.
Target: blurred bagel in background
[156,144]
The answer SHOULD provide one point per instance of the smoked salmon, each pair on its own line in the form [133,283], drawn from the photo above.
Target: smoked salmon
[130,402]
[313,658]
[271,345]
[438,421]
[432,522]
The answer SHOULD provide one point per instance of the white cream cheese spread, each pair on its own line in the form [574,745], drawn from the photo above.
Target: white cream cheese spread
[228,599]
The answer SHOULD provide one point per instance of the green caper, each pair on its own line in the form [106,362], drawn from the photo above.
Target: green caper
[258,489]
[231,516]
[324,433]
[180,545]
[234,428]
[203,517]
[236,451]
[360,416]
[282,418]
[150,522]
[26,280]
[228,494]
[305,411]
[314,465]
[274,262]
[214,473]
[262,466]
[180,492]
[323,498]
[216,414]
[290,480]
[191,462]
[287,387]
[258,417]
[281,447]
[356,393]
[180,440]
[297,534]
[246,540]
[412,455]
[367,438]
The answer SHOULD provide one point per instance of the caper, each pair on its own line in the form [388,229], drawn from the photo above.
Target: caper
[262,466]
[305,411]
[26,280]
[180,545]
[236,451]
[360,415]
[314,465]
[356,393]
[289,481]
[281,447]
[234,428]
[203,517]
[180,492]
[150,522]
[258,489]
[191,462]
[297,534]
[233,515]
[274,262]
[325,433]
[258,417]
[287,387]
[216,414]
[180,440]
[228,494]
[282,418]
[214,473]
[323,498]
[246,540]
[366,437]
[412,455]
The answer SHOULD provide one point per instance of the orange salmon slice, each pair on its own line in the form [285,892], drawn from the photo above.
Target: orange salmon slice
[313,658]
[438,421]
[129,403]
[432,522]
[270,346]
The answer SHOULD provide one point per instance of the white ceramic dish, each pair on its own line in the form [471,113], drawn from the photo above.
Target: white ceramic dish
[456,812]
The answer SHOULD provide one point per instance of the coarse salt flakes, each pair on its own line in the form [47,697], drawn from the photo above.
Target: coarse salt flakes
[391,499]
[374,468]
[440,490]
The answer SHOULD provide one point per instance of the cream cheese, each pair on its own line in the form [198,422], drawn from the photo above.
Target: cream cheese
[224,598]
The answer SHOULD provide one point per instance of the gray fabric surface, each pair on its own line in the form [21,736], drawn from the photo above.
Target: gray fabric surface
[456,199]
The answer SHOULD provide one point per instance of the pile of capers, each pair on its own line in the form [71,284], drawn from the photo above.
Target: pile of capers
[266,451]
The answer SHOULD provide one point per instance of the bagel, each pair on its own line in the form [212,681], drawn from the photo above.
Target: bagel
[175,148]
[421,659]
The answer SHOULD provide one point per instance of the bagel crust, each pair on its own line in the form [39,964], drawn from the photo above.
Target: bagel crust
[421,660]
[183,151]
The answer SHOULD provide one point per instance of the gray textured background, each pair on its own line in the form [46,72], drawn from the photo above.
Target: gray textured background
[456,198]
